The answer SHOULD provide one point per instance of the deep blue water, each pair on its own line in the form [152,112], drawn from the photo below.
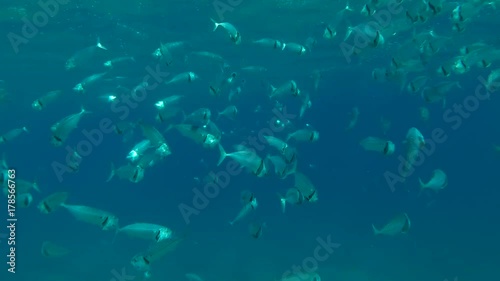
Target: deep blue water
[454,233]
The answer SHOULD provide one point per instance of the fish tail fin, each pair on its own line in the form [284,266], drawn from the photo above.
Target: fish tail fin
[35,185]
[222,156]
[84,111]
[216,24]
[350,29]
[99,45]
[282,202]
[112,174]
[375,230]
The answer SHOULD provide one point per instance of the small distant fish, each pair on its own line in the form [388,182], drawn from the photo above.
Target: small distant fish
[354,118]
[378,145]
[306,187]
[132,173]
[294,48]
[62,129]
[12,134]
[398,225]
[103,219]
[288,88]
[138,150]
[50,203]
[246,158]
[185,77]
[24,200]
[230,112]
[269,43]
[234,34]
[250,204]
[143,261]
[256,229]
[83,56]
[45,100]
[146,231]
[51,250]
[438,181]
[117,61]
[293,196]
[304,135]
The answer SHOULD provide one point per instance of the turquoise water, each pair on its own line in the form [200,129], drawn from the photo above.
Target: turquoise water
[453,233]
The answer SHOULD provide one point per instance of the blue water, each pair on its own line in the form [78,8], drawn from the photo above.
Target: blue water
[454,233]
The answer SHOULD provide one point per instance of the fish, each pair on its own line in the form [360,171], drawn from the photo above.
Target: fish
[438,181]
[24,186]
[378,145]
[156,139]
[132,173]
[83,56]
[199,134]
[63,128]
[250,204]
[256,229]
[51,250]
[398,225]
[306,187]
[146,231]
[52,202]
[118,61]
[281,168]
[185,77]
[24,200]
[414,142]
[143,261]
[304,135]
[90,215]
[293,196]
[246,158]
[138,150]
[233,33]
[41,102]
[88,81]
[12,134]
[294,48]
[438,92]
[269,43]
[286,89]
[230,112]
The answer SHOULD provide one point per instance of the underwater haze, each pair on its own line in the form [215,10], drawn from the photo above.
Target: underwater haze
[238,140]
